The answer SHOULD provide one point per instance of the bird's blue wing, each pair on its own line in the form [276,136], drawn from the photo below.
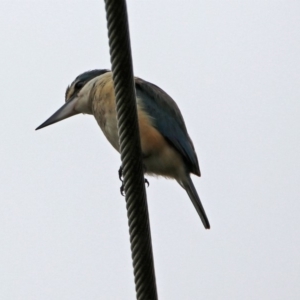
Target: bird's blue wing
[168,120]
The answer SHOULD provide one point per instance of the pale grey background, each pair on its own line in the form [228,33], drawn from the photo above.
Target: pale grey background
[233,68]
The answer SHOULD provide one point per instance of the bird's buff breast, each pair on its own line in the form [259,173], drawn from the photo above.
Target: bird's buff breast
[104,110]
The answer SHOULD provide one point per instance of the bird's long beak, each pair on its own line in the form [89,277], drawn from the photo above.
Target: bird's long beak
[66,111]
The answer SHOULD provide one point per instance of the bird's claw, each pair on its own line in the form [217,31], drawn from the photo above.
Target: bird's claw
[122,188]
[120,172]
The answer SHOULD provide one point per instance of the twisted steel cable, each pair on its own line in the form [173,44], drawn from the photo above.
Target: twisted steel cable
[130,148]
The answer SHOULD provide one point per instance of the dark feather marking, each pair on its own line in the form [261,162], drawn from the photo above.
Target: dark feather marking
[87,76]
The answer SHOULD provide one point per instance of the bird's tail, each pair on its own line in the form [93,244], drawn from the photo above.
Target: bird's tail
[188,185]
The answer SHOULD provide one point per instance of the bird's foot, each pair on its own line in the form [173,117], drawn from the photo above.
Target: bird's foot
[120,172]
[122,188]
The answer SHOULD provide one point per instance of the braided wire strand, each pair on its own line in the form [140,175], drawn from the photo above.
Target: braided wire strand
[130,148]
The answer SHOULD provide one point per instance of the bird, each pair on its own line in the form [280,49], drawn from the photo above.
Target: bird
[167,148]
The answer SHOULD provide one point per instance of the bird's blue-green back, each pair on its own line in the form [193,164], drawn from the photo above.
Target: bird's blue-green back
[168,120]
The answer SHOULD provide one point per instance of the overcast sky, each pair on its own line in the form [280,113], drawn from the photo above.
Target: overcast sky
[233,68]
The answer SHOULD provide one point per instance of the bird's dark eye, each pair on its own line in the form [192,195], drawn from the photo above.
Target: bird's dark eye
[79,85]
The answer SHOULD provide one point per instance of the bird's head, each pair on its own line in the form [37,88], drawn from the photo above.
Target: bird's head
[76,97]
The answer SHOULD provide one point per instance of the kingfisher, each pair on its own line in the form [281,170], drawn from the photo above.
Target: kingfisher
[167,148]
